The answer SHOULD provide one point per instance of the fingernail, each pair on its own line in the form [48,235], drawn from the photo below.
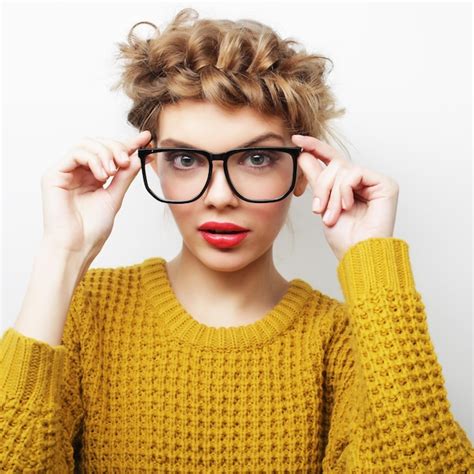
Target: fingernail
[112,167]
[316,204]
[327,216]
[125,156]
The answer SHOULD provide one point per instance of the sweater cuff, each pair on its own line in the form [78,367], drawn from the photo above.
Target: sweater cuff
[374,263]
[30,369]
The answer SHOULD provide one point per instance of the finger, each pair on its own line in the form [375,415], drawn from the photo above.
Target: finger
[333,210]
[138,141]
[325,183]
[123,149]
[318,148]
[105,154]
[93,145]
[119,149]
[349,184]
[82,157]
[363,183]
[121,182]
[311,168]
[347,198]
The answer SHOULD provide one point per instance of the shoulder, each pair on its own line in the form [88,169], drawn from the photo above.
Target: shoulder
[100,280]
[105,298]
[114,290]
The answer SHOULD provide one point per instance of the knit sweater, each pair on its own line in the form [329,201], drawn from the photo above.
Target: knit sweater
[315,385]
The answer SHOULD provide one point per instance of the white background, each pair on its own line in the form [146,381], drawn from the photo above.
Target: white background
[403,71]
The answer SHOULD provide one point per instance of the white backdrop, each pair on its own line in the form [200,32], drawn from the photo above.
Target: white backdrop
[403,71]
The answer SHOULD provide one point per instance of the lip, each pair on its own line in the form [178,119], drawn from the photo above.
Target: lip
[224,241]
[222,226]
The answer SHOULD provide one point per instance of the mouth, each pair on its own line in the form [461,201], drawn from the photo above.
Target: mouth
[223,239]
[223,232]
[222,228]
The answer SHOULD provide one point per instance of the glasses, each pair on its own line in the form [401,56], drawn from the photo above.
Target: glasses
[255,174]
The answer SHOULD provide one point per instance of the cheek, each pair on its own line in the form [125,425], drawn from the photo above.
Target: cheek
[270,216]
[185,216]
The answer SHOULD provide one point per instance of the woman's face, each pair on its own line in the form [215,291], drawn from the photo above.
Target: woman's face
[206,126]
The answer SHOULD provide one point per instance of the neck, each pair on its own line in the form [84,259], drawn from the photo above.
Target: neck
[239,295]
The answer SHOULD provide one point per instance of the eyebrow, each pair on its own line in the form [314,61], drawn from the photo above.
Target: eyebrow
[254,141]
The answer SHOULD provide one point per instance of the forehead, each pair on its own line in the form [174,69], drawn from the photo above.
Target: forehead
[202,123]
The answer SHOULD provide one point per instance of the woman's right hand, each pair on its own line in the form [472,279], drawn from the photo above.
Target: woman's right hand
[78,212]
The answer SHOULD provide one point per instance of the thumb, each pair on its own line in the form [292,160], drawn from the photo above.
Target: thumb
[138,141]
[124,176]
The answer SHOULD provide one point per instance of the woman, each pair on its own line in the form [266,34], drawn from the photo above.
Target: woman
[213,362]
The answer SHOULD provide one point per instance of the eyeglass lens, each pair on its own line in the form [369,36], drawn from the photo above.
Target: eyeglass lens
[181,175]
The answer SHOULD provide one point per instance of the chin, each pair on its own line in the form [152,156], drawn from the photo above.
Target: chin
[230,259]
[224,260]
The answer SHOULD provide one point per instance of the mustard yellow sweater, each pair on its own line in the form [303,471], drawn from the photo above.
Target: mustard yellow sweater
[316,385]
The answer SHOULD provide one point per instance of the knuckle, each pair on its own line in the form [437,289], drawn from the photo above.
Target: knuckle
[97,147]
[93,161]
[114,145]
[104,153]
[99,163]
[320,182]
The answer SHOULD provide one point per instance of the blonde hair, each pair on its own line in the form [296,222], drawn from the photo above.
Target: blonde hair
[231,64]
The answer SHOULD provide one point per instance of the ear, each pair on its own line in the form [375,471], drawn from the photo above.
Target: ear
[301,182]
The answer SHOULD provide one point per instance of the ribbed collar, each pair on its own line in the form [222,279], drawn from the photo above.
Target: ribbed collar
[181,325]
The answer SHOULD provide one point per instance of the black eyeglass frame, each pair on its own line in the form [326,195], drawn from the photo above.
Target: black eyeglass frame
[293,151]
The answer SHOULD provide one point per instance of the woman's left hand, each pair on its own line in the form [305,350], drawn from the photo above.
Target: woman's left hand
[357,202]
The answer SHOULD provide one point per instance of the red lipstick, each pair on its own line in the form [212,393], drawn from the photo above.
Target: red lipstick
[222,226]
[223,234]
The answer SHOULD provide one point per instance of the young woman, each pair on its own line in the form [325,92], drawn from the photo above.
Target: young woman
[212,361]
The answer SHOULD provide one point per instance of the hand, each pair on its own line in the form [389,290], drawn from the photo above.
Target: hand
[357,202]
[78,211]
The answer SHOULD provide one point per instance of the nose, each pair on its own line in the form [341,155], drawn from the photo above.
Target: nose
[218,192]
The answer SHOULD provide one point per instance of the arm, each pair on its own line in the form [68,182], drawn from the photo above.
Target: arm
[385,395]
[40,399]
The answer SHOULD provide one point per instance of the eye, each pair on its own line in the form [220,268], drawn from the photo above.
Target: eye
[260,159]
[185,159]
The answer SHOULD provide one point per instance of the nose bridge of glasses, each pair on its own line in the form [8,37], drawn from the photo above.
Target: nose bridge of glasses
[215,158]
[217,163]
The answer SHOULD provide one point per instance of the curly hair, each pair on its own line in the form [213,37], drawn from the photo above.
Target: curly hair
[230,64]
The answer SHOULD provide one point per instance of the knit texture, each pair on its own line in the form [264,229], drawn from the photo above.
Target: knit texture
[316,385]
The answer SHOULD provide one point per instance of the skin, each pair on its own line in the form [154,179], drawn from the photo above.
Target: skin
[236,286]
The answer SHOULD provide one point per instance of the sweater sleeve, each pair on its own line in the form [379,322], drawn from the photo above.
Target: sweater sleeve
[388,406]
[40,398]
